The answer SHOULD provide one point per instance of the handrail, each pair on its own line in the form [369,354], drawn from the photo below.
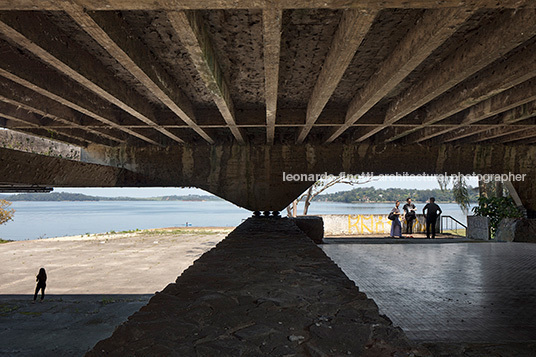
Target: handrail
[455,220]
[451,224]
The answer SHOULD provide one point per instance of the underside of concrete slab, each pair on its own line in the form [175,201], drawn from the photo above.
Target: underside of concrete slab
[226,95]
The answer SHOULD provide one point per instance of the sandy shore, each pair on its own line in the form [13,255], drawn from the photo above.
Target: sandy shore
[94,283]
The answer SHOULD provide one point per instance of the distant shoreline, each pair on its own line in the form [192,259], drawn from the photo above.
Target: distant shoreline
[78,197]
[133,233]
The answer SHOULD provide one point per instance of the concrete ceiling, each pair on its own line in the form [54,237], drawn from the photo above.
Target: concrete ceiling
[164,73]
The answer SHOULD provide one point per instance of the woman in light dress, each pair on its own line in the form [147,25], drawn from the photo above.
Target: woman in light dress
[396,226]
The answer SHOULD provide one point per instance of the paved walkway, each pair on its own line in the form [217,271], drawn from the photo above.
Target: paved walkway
[470,292]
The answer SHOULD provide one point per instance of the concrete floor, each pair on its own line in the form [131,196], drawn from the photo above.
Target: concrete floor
[465,292]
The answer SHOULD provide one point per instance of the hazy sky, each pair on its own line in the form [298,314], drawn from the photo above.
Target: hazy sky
[416,183]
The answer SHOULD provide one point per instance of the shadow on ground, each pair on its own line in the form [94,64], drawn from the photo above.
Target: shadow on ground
[62,325]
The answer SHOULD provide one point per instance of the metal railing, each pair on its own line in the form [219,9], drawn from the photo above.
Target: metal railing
[450,225]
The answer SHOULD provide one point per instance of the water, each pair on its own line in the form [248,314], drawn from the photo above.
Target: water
[34,220]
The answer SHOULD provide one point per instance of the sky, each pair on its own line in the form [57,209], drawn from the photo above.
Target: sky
[384,182]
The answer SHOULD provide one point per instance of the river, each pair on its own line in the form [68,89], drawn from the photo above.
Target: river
[35,220]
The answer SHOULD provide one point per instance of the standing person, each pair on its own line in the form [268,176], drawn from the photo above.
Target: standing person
[396,226]
[409,210]
[41,279]
[431,214]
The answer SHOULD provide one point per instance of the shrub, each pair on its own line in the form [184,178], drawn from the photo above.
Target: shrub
[496,208]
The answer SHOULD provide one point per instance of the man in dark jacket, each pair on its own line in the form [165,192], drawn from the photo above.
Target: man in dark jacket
[431,211]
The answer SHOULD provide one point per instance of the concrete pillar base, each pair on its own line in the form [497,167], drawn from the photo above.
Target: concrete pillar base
[312,226]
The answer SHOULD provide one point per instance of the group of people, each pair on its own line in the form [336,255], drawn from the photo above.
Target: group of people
[430,211]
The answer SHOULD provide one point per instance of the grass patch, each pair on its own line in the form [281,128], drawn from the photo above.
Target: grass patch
[6,308]
[457,232]
[30,313]
[106,301]
[183,231]
[4,241]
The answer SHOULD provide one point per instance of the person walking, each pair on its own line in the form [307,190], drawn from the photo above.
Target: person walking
[41,279]
[396,226]
[409,215]
[431,211]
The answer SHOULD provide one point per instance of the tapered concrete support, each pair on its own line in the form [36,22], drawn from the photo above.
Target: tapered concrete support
[526,191]
[266,290]
[257,177]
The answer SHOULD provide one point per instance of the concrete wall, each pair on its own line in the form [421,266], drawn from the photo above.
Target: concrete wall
[363,224]
[478,227]
[255,176]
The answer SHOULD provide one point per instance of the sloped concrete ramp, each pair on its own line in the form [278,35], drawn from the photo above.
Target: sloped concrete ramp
[266,289]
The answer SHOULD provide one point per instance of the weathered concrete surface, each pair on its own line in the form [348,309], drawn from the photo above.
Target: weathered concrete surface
[516,230]
[312,226]
[266,289]
[252,176]
[33,169]
[478,227]
[527,193]
[29,143]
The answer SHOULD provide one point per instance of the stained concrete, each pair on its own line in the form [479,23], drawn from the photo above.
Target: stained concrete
[266,289]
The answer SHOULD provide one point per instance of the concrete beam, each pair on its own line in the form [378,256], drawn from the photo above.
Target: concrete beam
[507,126]
[476,136]
[271,20]
[493,80]
[517,136]
[111,32]
[44,134]
[508,31]
[36,145]
[54,135]
[195,38]
[18,69]
[252,176]
[19,114]
[61,172]
[107,5]
[429,32]
[27,32]
[507,100]
[10,122]
[353,27]
[51,107]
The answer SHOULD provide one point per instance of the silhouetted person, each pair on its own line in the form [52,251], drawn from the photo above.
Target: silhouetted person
[41,279]
[409,209]
[431,214]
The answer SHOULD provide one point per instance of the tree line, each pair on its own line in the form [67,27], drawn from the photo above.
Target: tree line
[371,194]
